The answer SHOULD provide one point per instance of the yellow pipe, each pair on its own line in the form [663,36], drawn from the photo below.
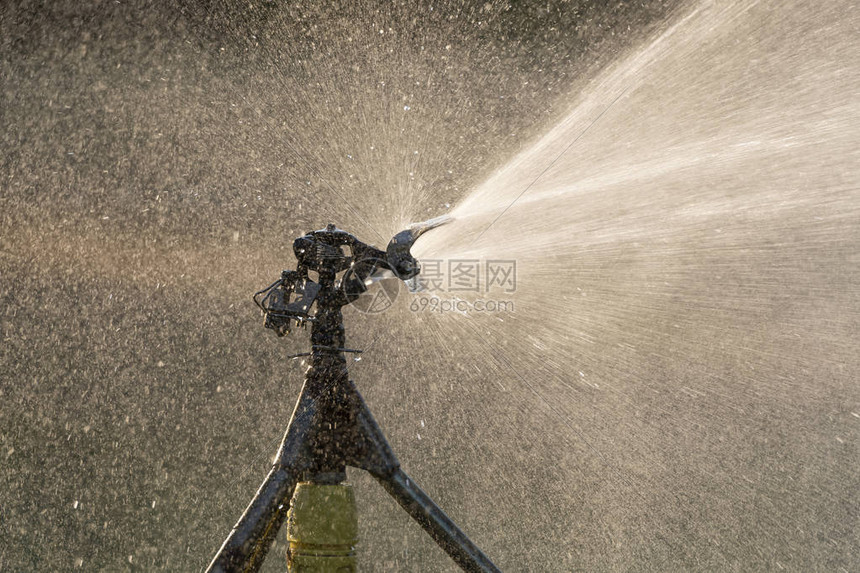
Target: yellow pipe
[322,529]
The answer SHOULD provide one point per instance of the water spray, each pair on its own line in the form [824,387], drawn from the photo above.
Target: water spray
[331,426]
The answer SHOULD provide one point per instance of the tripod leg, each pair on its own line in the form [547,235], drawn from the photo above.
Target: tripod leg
[434,521]
[249,541]
[372,453]
[251,538]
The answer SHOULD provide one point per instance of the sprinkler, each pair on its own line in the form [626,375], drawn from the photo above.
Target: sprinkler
[331,426]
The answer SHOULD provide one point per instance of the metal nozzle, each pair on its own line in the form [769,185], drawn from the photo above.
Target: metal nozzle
[397,253]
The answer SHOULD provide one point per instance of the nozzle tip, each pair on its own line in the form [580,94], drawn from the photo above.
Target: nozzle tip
[431,223]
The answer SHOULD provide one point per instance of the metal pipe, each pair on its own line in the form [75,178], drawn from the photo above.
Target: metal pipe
[322,529]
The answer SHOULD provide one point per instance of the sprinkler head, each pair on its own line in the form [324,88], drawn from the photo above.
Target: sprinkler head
[289,299]
[398,252]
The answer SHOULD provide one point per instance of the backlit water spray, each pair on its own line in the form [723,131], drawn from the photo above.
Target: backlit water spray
[686,307]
